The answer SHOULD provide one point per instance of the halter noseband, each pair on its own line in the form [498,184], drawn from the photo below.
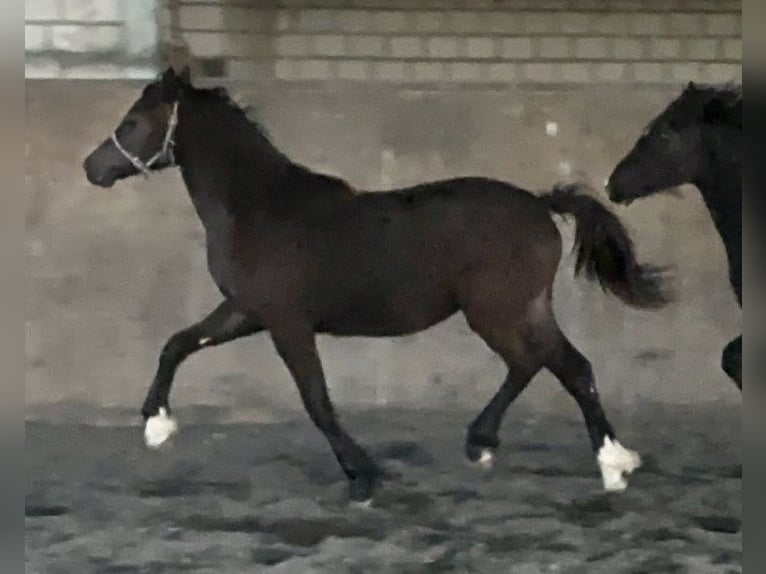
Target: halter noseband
[165,152]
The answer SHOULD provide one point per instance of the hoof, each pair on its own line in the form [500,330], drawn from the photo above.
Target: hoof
[616,462]
[361,489]
[159,428]
[480,456]
[361,504]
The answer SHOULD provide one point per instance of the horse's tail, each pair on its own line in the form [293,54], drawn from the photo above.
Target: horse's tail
[605,251]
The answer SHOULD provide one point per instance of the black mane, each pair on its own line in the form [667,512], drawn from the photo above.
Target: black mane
[724,105]
[219,97]
[719,104]
[715,104]
[257,137]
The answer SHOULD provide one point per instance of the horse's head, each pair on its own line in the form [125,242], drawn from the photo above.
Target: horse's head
[670,152]
[143,141]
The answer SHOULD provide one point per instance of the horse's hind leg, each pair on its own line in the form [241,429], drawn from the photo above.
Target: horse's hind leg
[576,375]
[731,361]
[528,341]
[225,323]
[519,338]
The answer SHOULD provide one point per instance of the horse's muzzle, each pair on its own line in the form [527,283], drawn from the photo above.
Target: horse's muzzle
[96,176]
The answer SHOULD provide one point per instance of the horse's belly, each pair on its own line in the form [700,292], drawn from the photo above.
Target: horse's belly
[380,316]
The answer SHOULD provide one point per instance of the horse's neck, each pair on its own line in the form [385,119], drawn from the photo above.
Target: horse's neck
[721,189]
[228,172]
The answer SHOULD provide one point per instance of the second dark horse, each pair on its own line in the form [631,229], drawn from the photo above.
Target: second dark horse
[297,253]
[696,139]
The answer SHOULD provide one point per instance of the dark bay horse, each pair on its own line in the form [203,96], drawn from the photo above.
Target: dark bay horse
[696,139]
[297,253]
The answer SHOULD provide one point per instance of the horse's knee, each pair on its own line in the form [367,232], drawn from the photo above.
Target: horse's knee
[180,346]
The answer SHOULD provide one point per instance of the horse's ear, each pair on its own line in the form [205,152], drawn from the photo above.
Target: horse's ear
[184,76]
[691,86]
[169,80]
[174,82]
[168,75]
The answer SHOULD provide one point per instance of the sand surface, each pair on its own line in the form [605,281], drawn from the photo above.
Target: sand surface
[270,498]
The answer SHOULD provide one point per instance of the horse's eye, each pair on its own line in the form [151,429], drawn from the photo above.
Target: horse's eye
[129,123]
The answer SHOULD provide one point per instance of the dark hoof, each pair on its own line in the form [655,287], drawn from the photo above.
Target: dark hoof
[361,489]
[480,448]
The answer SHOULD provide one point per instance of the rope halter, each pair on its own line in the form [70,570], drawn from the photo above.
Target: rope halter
[165,152]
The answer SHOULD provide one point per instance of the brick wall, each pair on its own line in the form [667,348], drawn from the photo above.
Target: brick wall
[393,41]
[461,41]
[90,38]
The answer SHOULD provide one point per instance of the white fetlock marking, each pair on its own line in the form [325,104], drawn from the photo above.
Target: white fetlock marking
[159,428]
[616,462]
[486,459]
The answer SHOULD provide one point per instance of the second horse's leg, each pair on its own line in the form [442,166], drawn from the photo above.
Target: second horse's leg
[731,361]
[225,323]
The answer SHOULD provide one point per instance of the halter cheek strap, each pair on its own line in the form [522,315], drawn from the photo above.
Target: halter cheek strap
[165,152]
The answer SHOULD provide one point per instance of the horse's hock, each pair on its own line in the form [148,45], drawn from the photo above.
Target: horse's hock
[114,272]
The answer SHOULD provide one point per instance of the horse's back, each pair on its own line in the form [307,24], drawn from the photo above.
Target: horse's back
[398,261]
[474,209]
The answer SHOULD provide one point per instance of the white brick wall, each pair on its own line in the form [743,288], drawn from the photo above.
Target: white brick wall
[591,48]
[202,18]
[36,38]
[406,47]
[664,49]
[41,10]
[89,38]
[80,39]
[91,10]
[517,41]
[516,48]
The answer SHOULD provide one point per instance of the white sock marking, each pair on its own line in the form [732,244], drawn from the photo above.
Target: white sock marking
[362,504]
[486,459]
[159,428]
[616,461]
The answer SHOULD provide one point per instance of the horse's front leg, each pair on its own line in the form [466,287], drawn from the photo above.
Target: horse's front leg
[224,324]
[296,346]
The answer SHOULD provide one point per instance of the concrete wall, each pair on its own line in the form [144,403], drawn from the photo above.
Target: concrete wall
[113,273]
[462,41]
